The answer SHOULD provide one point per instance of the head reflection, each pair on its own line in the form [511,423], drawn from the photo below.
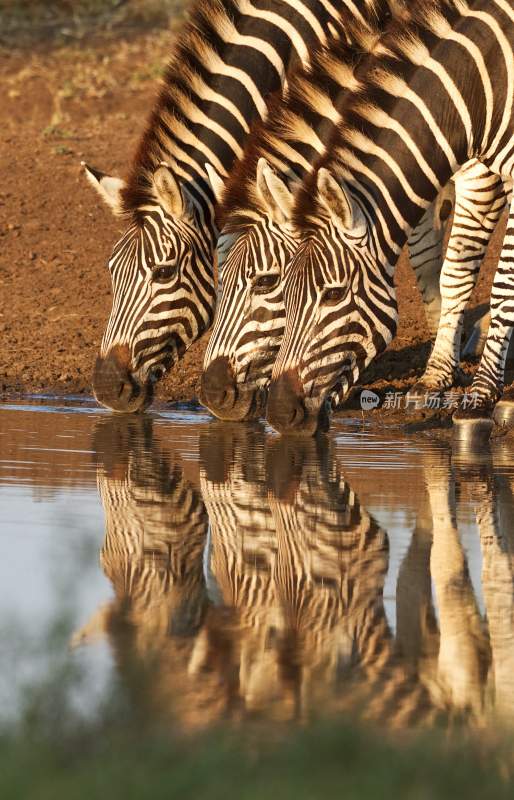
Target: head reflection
[300,567]
[155,531]
[258,590]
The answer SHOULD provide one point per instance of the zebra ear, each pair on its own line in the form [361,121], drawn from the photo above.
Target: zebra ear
[216,181]
[274,193]
[94,630]
[108,188]
[168,191]
[338,201]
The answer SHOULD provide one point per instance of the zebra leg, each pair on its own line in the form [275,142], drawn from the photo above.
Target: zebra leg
[487,385]
[480,200]
[494,515]
[474,346]
[426,253]
[463,650]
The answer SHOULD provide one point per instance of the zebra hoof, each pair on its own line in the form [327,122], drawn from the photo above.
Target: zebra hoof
[472,429]
[503,413]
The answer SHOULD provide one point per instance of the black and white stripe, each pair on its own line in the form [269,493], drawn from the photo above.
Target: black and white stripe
[155,533]
[230,55]
[258,238]
[428,106]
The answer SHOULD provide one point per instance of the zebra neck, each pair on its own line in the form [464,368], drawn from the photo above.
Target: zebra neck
[229,56]
[299,122]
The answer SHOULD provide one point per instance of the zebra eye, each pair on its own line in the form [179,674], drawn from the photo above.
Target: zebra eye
[266,281]
[332,296]
[164,273]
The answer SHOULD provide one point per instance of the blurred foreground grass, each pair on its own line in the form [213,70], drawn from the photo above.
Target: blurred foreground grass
[29,20]
[61,742]
[325,762]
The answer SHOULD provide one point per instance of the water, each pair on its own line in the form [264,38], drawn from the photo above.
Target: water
[220,573]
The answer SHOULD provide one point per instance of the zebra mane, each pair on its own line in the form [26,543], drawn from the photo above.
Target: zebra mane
[287,123]
[397,53]
[195,52]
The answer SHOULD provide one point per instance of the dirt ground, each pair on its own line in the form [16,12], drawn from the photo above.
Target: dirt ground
[88,100]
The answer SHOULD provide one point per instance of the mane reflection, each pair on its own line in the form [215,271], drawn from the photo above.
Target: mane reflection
[257,591]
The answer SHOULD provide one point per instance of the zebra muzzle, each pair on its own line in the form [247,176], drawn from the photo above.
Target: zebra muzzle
[224,397]
[116,388]
[286,410]
[218,389]
[290,412]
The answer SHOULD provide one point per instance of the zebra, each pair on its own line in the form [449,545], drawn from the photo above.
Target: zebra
[257,238]
[388,159]
[481,197]
[299,565]
[155,532]
[228,57]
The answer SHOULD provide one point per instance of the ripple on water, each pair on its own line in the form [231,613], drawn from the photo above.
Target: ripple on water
[329,573]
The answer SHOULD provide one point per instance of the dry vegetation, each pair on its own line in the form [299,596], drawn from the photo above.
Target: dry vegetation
[37,20]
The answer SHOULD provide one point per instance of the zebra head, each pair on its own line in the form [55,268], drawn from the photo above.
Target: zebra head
[340,310]
[163,288]
[253,250]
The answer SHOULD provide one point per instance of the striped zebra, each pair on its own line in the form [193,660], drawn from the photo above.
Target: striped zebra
[481,198]
[257,238]
[155,533]
[426,106]
[229,56]
[331,564]
[298,567]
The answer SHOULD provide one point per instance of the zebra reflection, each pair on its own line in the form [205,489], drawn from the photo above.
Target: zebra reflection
[300,566]
[486,484]
[259,592]
[465,653]
[155,531]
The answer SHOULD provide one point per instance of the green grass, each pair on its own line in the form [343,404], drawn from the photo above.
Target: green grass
[328,761]
[119,750]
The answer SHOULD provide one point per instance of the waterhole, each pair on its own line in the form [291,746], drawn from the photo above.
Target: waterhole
[214,573]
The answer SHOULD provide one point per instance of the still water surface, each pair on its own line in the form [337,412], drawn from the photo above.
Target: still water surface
[220,573]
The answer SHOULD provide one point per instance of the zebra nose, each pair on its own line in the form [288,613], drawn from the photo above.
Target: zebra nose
[218,389]
[115,387]
[286,410]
